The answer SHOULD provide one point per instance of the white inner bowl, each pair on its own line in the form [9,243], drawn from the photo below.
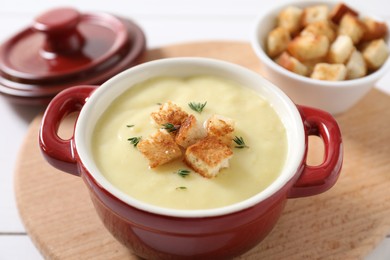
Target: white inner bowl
[184,67]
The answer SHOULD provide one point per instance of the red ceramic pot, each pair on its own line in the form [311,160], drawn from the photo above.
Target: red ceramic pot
[154,232]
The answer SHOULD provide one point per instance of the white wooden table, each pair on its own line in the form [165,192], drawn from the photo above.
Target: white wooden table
[164,22]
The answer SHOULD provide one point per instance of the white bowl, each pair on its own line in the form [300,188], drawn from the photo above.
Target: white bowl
[334,97]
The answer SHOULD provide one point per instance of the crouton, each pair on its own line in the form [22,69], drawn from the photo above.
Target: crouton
[159,148]
[356,66]
[277,41]
[292,64]
[321,28]
[373,29]
[332,72]
[341,49]
[208,156]
[310,64]
[308,47]
[313,14]
[190,132]
[290,18]
[169,112]
[362,45]
[375,54]
[339,11]
[220,127]
[351,25]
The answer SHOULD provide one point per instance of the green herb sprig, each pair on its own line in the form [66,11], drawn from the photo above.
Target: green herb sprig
[198,107]
[134,140]
[130,126]
[183,172]
[170,127]
[181,188]
[240,142]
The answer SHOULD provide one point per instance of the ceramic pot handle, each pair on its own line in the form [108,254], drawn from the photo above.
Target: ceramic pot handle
[317,179]
[57,151]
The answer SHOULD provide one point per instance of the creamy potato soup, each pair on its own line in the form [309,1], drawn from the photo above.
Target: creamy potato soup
[251,169]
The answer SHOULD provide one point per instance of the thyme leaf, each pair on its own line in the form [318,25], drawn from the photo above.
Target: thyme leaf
[183,172]
[170,127]
[130,126]
[240,142]
[134,140]
[181,188]
[198,107]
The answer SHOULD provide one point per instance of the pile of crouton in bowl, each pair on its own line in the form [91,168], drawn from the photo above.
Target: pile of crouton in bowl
[322,53]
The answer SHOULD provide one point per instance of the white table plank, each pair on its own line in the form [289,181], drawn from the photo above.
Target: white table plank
[382,252]
[14,125]
[18,247]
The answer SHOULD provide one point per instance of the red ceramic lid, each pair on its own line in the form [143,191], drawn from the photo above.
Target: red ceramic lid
[64,48]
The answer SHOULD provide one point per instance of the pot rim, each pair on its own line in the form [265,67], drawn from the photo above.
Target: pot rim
[106,93]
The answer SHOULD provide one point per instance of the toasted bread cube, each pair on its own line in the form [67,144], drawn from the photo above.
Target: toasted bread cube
[323,27]
[159,148]
[351,25]
[341,49]
[290,18]
[309,47]
[220,127]
[208,156]
[339,11]
[375,54]
[331,72]
[356,66]
[169,112]
[374,29]
[292,64]
[362,45]
[277,41]
[314,13]
[310,64]
[190,132]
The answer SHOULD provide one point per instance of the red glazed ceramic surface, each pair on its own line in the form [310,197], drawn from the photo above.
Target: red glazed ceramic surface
[158,233]
[64,48]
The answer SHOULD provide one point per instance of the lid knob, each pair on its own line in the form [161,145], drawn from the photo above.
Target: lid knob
[60,27]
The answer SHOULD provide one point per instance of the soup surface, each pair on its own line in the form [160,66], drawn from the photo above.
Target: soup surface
[250,171]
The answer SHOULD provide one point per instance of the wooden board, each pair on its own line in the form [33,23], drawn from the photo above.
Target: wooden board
[346,222]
